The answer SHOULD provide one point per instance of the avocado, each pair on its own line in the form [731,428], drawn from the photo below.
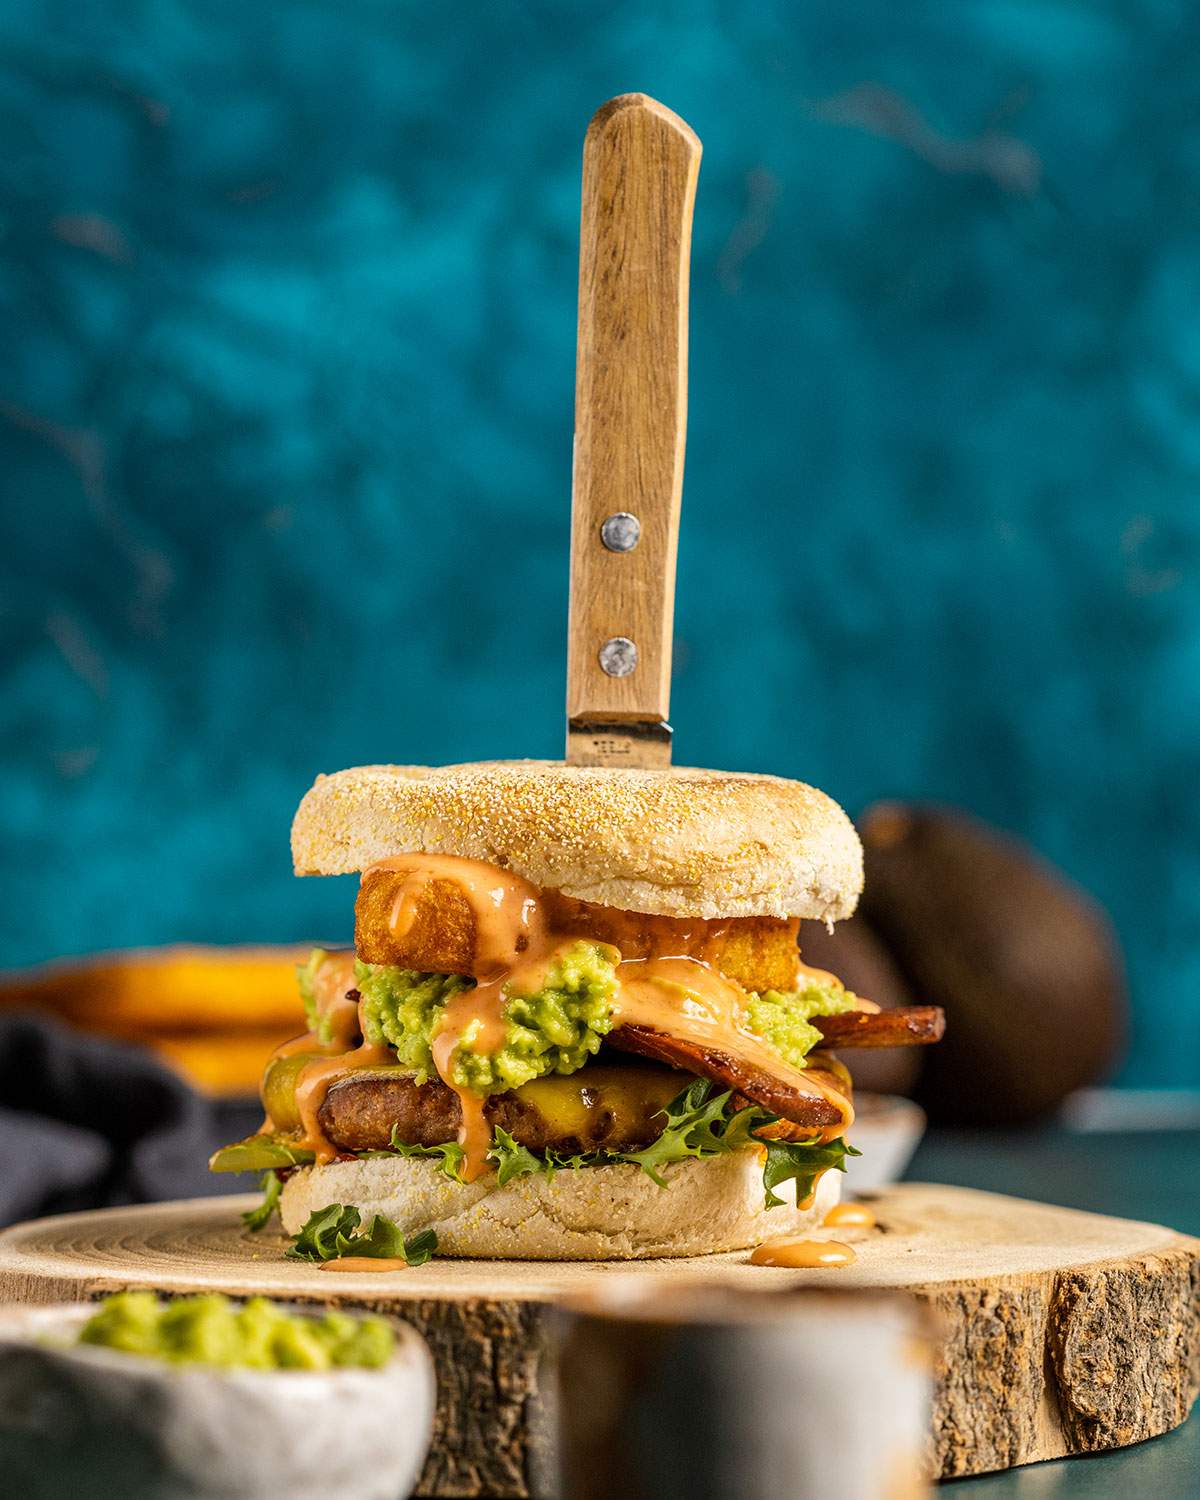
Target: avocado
[1025,965]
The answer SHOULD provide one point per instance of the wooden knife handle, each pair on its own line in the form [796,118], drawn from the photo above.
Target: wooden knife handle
[640,164]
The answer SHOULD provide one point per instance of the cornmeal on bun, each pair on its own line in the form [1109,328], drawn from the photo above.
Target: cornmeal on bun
[674,843]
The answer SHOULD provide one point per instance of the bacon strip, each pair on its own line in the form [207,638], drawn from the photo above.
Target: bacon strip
[912,1025]
[777,1095]
[906,1026]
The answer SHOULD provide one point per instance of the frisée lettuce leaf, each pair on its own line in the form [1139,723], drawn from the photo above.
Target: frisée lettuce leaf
[258,1218]
[336,1231]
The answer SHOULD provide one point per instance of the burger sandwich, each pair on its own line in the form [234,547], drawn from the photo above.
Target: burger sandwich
[575,1023]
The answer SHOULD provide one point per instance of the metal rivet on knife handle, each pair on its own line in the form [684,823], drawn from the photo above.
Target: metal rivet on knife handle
[619,656]
[640,164]
[620,532]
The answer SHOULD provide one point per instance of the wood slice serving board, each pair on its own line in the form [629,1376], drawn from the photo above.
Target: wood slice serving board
[1062,1332]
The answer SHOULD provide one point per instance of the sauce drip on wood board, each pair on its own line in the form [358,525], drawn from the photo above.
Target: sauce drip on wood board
[365,1263]
[849,1216]
[800,1254]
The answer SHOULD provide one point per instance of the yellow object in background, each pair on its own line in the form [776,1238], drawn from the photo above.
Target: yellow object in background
[214,1014]
[224,1063]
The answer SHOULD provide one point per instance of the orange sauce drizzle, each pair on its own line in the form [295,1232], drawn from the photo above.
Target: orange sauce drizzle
[788,1250]
[514,945]
[313,1084]
[820,976]
[330,984]
[691,1001]
[849,1216]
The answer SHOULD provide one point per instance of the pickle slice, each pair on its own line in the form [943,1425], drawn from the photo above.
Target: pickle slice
[258,1154]
[278,1090]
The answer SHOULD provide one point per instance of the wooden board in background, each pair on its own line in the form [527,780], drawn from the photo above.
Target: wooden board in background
[1063,1332]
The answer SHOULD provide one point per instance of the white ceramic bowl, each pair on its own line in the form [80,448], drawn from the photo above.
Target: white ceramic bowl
[77,1420]
[887,1130]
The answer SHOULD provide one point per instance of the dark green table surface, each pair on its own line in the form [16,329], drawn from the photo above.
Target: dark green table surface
[1147,1175]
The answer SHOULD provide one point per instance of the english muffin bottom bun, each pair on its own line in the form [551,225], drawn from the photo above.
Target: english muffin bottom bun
[591,1213]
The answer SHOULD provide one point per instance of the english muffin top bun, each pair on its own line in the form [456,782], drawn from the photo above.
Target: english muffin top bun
[677,842]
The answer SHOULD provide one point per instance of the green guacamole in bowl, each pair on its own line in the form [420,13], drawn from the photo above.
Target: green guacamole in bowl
[255,1335]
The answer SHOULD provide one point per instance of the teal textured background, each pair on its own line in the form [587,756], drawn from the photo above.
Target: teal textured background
[287,306]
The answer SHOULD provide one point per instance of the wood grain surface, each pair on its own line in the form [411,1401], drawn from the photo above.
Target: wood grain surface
[640,164]
[1061,1332]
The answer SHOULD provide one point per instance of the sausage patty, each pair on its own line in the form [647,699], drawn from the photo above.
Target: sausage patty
[614,1108]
